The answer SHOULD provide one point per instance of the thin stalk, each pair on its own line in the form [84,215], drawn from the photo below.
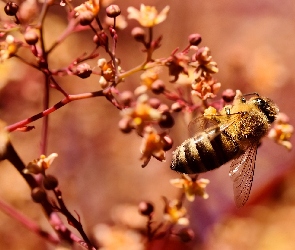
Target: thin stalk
[48,111]
[28,223]
[44,133]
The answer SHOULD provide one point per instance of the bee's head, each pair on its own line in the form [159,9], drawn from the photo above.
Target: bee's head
[268,107]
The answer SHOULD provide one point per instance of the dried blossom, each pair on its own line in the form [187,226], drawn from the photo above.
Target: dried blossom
[177,64]
[282,131]
[148,16]
[174,212]
[206,64]
[39,165]
[187,78]
[206,88]
[152,145]
[191,186]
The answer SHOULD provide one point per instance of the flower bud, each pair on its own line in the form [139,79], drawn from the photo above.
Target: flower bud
[4,140]
[50,182]
[103,82]
[11,9]
[126,97]
[145,208]
[168,143]
[138,34]
[186,234]
[228,95]
[154,102]
[83,70]
[86,18]
[176,107]
[31,37]
[195,39]
[163,108]
[125,125]
[166,120]
[158,87]
[38,195]
[113,11]
[42,63]
[101,39]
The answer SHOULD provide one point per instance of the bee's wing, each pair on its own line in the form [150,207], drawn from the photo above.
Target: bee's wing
[201,123]
[241,173]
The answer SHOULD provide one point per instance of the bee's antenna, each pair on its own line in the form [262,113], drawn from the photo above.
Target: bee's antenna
[254,93]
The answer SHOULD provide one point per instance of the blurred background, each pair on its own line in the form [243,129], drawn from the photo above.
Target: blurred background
[98,166]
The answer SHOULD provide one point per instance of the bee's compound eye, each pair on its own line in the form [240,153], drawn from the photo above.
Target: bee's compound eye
[260,102]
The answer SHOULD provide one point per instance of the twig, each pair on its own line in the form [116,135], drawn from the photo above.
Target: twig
[28,223]
[12,156]
[48,111]
[71,219]
[44,134]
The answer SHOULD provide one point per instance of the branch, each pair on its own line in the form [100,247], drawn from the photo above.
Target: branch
[12,156]
[28,223]
[58,105]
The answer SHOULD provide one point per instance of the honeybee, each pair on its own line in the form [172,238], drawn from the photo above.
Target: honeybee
[232,134]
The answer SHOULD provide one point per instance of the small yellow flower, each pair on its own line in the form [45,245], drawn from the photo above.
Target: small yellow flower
[191,186]
[282,131]
[175,213]
[149,76]
[152,145]
[142,112]
[148,16]
[38,166]
[210,112]
[91,5]
[8,48]
[108,72]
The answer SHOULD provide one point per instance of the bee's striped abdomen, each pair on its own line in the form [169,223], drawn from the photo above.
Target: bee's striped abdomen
[203,153]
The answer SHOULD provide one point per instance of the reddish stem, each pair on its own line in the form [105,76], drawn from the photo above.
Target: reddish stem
[44,135]
[28,223]
[58,105]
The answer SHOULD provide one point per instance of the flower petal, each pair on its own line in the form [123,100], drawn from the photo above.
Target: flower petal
[162,15]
